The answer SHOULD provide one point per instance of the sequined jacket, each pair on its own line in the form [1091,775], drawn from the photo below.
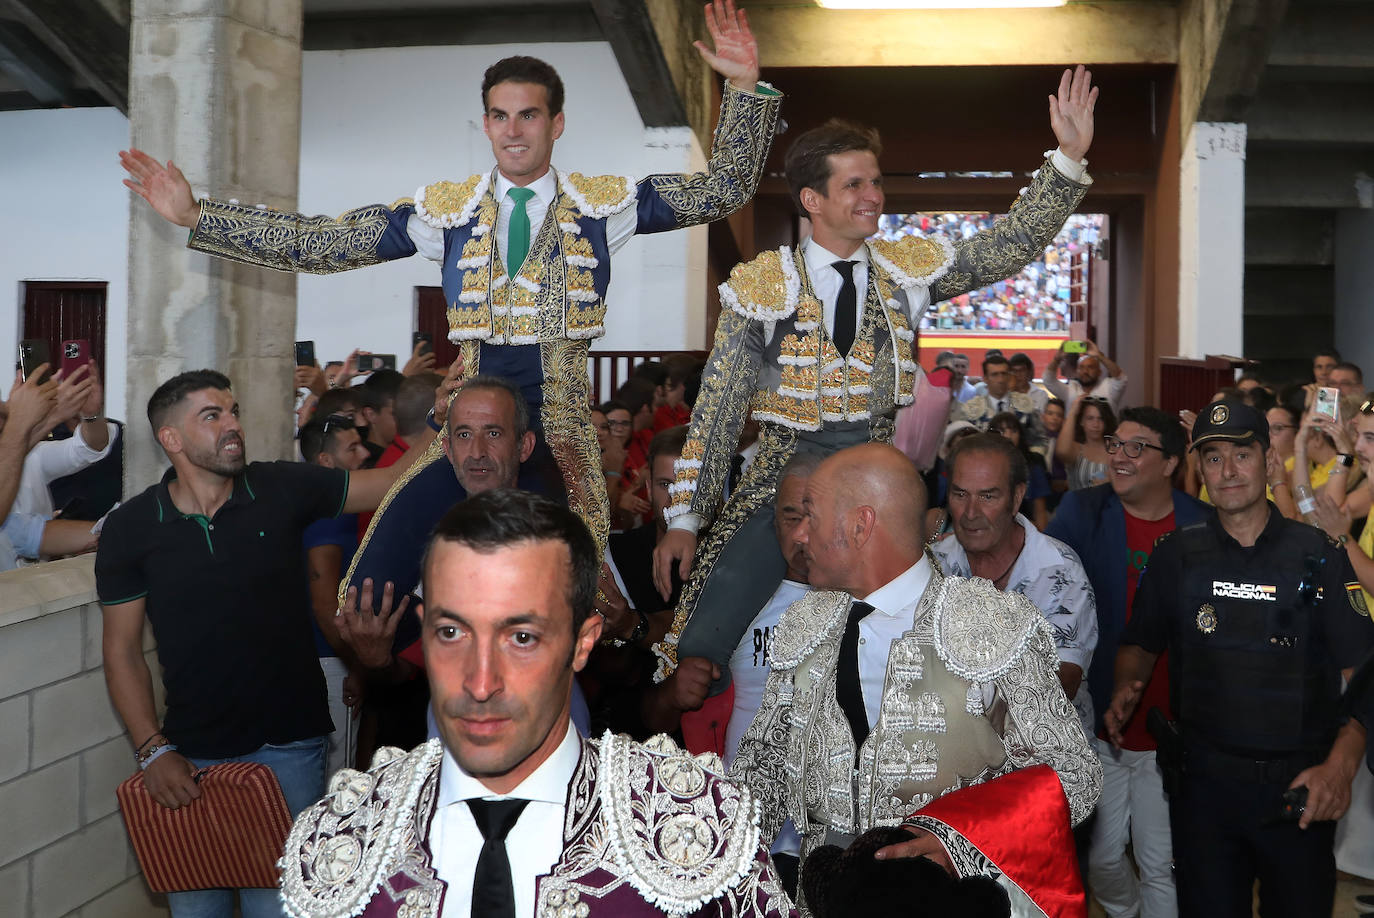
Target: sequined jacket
[649,830]
[936,731]
[772,355]
[560,291]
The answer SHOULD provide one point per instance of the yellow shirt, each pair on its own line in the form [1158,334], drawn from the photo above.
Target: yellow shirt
[1367,546]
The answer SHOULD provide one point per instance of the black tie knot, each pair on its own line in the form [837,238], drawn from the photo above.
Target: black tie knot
[495,818]
[858,611]
[846,269]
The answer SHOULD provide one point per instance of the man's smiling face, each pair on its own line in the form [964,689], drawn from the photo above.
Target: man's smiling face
[521,130]
[853,199]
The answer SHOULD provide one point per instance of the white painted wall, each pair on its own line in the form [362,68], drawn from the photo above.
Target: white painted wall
[1211,318]
[376,125]
[66,219]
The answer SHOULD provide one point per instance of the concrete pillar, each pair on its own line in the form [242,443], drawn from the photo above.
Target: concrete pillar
[1211,240]
[1354,303]
[215,86]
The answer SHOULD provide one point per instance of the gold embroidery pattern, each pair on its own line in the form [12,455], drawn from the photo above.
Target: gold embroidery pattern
[1029,226]
[742,140]
[572,439]
[765,288]
[449,204]
[756,491]
[471,317]
[287,241]
[599,195]
[913,261]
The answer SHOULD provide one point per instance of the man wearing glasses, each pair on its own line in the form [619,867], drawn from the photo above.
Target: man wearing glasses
[1263,616]
[1113,527]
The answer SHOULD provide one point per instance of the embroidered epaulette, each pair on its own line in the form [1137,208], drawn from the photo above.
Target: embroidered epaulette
[913,261]
[343,848]
[678,830]
[804,625]
[766,288]
[981,631]
[598,195]
[444,205]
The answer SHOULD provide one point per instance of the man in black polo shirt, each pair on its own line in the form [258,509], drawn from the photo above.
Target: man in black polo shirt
[211,556]
[1261,616]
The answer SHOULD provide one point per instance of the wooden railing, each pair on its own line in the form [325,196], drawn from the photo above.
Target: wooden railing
[1188,383]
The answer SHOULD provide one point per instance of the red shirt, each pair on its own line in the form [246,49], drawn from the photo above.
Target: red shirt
[389,457]
[668,416]
[1141,536]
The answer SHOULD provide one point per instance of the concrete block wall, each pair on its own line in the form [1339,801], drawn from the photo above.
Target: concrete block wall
[63,849]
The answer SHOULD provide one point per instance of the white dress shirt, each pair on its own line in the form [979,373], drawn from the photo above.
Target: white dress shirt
[533,846]
[429,240]
[894,614]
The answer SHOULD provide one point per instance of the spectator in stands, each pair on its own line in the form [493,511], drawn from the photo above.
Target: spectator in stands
[1023,374]
[212,557]
[1285,419]
[1081,445]
[1053,420]
[378,397]
[1114,528]
[1323,362]
[675,410]
[987,482]
[655,372]
[1324,467]
[343,402]
[1089,378]
[638,394]
[329,543]
[1347,377]
[89,443]
[958,364]
[998,398]
[332,370]
[1035,504]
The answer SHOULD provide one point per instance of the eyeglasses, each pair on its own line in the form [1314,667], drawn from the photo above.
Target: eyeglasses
[619,425]
[1132,448]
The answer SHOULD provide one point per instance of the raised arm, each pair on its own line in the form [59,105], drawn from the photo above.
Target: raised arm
[1065,446]
[25,413]
[164,187]
[1039,213]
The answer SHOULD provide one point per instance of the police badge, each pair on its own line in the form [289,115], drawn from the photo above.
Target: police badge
[1206,618]
[1220,414]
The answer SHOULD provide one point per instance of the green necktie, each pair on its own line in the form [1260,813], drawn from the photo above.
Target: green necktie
[518,235]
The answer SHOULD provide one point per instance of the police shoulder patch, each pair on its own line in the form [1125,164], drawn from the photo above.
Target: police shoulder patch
[1355,593]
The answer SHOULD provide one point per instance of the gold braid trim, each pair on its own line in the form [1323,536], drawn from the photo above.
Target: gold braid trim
[572,439]
[756,490]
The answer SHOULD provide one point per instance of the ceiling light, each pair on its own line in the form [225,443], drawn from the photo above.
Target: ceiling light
[934,4]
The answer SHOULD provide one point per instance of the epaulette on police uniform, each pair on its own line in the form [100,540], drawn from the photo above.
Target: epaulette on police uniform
[342,849]
[981,631]
[679,832]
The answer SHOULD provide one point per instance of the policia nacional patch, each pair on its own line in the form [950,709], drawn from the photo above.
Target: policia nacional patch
[1356,595]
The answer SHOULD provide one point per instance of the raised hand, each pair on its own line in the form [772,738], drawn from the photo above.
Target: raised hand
[736,54]
[370,636]
[164,187]
[443,393]
[1071,112]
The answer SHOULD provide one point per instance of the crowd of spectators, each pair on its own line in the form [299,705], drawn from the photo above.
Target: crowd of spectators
[1036,300]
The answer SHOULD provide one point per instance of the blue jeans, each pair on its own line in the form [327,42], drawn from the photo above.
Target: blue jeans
[299,768]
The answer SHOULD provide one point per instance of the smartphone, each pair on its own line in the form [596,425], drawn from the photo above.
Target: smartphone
[1328,402]
[76,353]
[33,353]
[424,338]
[305,353]
[381,361]
[1075,347]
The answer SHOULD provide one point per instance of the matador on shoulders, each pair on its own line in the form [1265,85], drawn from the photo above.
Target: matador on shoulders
[524,250]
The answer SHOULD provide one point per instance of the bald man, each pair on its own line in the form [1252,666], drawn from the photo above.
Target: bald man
[894,684]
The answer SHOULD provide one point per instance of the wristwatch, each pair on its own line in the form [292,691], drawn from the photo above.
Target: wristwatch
[1345,459]
[640,629]
[433,423]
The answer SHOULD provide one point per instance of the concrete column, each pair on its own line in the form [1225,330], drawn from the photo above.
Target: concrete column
[215,86]
[1211,240]
[1354,279]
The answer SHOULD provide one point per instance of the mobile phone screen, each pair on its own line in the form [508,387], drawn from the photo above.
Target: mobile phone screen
[1328,401]
[305,353]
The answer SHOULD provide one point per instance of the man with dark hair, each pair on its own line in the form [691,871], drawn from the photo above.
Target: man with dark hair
[1113,528]
[1089,378]
[524,249]
[211,556]
[333,442]
[818,344]
[999,396]
[378,397]
[1022,372]
[412,408]
[1349,378]
[987,482]
[1323,362]
[509,812]
[1262,617]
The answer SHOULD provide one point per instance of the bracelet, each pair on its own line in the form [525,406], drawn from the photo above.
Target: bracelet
[434,425]
[139,747]
[1343,539]
[1281,483]
[152,755]
[90,420]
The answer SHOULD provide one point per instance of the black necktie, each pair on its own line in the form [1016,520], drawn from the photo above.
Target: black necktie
[736,471]
[493,892]
[847,690]
[846,308]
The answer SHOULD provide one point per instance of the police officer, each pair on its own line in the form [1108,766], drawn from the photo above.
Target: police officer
[1261,616]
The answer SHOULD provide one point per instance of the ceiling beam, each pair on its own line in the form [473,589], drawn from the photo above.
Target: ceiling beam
[1252,26]
[1126,32]
[29,64]
[84,35]
[533,23]
[630,32]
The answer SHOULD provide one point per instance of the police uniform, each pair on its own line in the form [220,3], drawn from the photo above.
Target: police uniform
[1257,638]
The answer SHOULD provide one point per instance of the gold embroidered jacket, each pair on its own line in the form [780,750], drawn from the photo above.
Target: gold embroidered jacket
[935,732]
[772,355]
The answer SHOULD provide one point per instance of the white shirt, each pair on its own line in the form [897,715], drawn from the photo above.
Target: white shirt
[1112,388]
[429,240]
[894,613]
[749,664]
[50,460]
[533,845]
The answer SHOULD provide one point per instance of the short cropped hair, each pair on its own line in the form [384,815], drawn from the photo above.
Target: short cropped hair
[636,392]
[985,442]
[521,69]
[807,164]
[1352,367]
[504,517]
[492,383]
[380,388]
[803,462]
[994,359]
[320,434]
[1172,438]
[414,402]
[1021,360]
[667,443]
[337,401]
[173,391]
